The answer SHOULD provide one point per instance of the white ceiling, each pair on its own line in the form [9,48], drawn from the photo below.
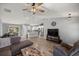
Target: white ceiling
[51,10]
[54,9]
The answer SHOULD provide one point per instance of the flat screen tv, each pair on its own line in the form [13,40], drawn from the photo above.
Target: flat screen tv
[53,32]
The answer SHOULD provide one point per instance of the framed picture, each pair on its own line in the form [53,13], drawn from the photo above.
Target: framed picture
[13,30]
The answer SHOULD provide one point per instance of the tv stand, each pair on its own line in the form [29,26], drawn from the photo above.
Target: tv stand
[54,39]
[53,35]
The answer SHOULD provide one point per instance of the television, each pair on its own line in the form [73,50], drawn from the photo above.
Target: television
[53,32]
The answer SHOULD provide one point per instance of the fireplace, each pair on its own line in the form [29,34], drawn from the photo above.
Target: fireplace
[53,35]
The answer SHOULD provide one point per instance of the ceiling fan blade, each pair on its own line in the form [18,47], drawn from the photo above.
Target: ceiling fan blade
[41,10]
[24,9]
[39,4]
[27,8]
[44,7]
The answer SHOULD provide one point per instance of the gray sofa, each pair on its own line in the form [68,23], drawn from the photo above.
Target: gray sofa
[13,47]
[60,51]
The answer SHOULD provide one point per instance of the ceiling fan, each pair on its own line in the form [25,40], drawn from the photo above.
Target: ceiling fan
[34,7]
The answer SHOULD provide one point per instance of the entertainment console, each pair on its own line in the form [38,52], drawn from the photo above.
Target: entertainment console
[53,35]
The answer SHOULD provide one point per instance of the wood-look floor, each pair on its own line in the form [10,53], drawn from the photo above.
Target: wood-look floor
[45,46]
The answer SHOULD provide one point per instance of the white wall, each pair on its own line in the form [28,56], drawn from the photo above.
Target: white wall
[68,28]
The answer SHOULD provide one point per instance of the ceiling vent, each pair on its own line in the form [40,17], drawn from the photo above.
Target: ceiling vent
[7,10]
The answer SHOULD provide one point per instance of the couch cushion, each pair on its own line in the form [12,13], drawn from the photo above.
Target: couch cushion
[4,42]
[74,51]
[18,46]
[15,40]
[59,51]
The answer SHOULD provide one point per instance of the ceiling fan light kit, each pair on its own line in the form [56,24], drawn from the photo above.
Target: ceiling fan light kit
[69,15]
[34,8]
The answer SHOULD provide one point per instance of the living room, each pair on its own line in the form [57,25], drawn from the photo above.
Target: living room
[32,32]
